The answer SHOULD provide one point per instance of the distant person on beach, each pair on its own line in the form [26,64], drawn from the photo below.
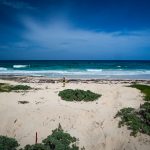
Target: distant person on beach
[64,81]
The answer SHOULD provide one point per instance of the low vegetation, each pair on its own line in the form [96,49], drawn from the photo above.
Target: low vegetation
[78,95]
[137,120]
[4,87]
[58,140]
[35,147]
[145,89]
[7,143]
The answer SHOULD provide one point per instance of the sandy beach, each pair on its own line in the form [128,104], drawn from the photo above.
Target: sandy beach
[92,123]
[74,74]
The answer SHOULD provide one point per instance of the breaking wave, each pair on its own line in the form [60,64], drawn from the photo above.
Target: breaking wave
[20,66]
[88,72]
[94,70]
[3,69]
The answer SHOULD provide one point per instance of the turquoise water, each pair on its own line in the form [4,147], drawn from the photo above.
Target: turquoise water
[78,69]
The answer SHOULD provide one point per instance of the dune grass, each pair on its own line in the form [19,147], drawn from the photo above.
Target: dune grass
[137,120]
[4,87]
[78,95]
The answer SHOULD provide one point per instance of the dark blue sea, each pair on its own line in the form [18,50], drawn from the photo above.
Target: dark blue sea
[78,69]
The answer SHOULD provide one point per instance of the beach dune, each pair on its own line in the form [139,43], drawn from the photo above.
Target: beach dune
[92,122]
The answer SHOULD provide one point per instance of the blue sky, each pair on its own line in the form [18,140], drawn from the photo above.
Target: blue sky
[75,29]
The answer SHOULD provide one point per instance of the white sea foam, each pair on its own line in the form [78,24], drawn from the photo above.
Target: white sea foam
[20,66]
[3,69]
[94,70]
[79,73]
[102,72]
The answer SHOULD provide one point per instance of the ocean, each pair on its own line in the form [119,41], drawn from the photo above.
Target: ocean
[93,69]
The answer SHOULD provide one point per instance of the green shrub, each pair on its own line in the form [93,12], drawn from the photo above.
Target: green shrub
[144,112]
[129,118]
[4,87]
[60,140]
[35,147]
[137,120]
[21,87]
[78,95]
[7,143]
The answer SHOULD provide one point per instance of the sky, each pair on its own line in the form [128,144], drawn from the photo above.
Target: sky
[74,29]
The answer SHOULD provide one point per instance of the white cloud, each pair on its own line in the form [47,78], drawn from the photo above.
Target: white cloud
[63,37]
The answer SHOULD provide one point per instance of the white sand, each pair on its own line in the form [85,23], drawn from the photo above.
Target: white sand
[92,122]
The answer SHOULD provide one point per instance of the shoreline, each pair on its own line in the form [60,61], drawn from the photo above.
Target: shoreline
[42,79]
